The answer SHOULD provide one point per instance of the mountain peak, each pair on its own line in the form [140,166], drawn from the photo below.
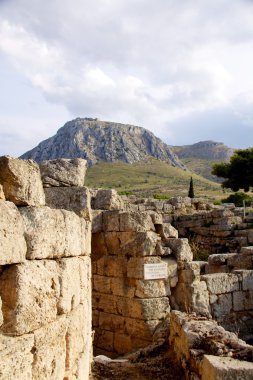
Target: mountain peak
[96,140]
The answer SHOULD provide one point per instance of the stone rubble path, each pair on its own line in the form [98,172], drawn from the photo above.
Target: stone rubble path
[160,366]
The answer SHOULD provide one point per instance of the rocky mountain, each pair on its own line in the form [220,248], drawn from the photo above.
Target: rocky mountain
[99,141]
[208,150]
[201,156]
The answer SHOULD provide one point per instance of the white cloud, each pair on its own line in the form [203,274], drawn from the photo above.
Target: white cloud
[137,61]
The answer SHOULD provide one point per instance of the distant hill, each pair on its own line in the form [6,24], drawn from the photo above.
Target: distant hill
[148,178]
[103,141]
[201,156]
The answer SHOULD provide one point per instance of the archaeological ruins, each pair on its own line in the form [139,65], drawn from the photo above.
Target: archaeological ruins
[85,272]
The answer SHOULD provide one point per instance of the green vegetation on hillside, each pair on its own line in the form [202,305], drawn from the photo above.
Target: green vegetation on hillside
[148,178]
[201,166]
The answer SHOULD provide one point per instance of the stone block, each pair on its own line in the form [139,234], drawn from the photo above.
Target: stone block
[136,221]
[97,220]
[63,172]
[2,196]
[74,280]
[141,328]
[13,245]
[250,236]
[156,217]
[122,286]
[16,357]
[141,244]
[180,249]
[146,309]
[111,322]
[240,261]
[151,289]
[112,266]
[111,221]
[166,230]
[78,342]
[225,368]
[50,351]
[223,306]
[122,343]
[102,284]
[247,279]
[54,233]
[107,200]
[104,339]
[75,199]
[172,271]
[247,250]
[98,246]
[220,283]
[105,302]
[221,259]
[29,292]
[21,181]
[162,250]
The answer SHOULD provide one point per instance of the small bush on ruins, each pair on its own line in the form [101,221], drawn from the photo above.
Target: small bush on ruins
[238,198]
[199,253]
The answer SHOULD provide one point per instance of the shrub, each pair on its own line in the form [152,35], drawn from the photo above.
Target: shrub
[237,198]
[127,193]
[160,196]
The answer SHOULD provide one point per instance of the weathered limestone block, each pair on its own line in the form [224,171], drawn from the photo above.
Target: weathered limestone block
[240,261]
[142,244]
[107,200]
[111,322]
[242,300]
[97,221]
[247,279]
[151,288]
[102,284]
[156,217]
[166,230]
[122,286]
[16,357]
[21,181]
[192,297]
[225,368]
[140,328]
[220,259]
[223,306]
[136,221]
[219,283]
[111,221]
[2,196]
[29,293]
[162,250]
[78,344]
[172,271]
[63,172]
[75,199]
[247,250]
[54,233]
[104,339]
[105,302]
[50,351]
[146,309]
[180,249]
[112,266]
[13,245]
[74,273]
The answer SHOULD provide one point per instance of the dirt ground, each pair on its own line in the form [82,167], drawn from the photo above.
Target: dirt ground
[156,365]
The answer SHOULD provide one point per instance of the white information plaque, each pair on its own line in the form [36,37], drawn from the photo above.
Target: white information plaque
[155,271]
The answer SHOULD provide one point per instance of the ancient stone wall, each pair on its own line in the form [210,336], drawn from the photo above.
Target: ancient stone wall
[45,273]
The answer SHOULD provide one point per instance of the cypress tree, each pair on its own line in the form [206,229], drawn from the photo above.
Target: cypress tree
[191,190]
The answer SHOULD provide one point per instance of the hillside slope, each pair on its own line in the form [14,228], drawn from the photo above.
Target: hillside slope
[150,177]
[103,141]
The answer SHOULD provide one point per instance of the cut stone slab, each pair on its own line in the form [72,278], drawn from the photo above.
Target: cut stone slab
[180,249]
[21,181]
[75,199]
[16,357]
[50,351]
[107,200]
[225,368]
[219,283]
[54,233]
[13,245]
[136,221]
[63,172]
[29,293]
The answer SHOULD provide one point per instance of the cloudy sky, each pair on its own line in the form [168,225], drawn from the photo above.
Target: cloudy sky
[180,68]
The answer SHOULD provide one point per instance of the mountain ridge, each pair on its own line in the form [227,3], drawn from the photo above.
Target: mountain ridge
[103,141]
